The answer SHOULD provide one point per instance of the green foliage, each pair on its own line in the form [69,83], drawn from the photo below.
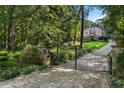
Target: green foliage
[3,58]
[29,69]
[114,20]
[30,54]
[120,61]
[8,63]
[8,72]
[81,52]
[63,56]
[71,54]
[53,57]
[16,55]
[3,53]
[59,57]
[117,83]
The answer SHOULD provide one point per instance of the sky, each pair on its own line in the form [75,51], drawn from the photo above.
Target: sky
[95,14]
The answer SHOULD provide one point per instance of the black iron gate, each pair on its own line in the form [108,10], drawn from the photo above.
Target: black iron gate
[95,61]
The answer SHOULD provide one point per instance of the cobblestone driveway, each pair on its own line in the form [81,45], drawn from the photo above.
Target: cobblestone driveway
[64,76]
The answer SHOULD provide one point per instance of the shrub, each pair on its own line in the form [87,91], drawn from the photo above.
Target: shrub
[59,57]
[13,71]
[17,55]
[54,57]
[29,69]
[3,53]
[63,56]
[120,61]
[10,73]
[30,54]
[3,58]
[8,63]
[89,50]
[12,59]
[71,55]
[10,54]
[105,38]
[79,53]
[84,50]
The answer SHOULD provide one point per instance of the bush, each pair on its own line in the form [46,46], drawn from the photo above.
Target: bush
[12,59]
[10,54]
[117,83]
[63,56]
[79,53]
[8,63]
[105,38]
[3,53]
[54,57]
[10,73]
[13,71]
[89,50]
[71,55]
[30,54]
[29,69]
[120,61]
[59,57]
[17,55]
[3,58]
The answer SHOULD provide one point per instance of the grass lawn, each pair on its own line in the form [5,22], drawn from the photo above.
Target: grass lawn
[89,44]
[93,44]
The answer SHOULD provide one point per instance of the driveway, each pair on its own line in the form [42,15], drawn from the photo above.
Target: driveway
[92,72]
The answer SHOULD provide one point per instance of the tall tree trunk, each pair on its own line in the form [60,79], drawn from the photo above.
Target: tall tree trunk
[10,28]
[13,34]
[13,25]
[8,35]
[82,26]
[78,19]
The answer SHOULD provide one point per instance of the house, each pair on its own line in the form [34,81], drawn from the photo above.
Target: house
[92,32]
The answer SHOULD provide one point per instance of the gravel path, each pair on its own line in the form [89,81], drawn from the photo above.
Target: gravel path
[91,73]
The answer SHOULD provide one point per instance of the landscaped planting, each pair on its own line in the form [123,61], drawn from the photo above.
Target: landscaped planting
[11,71]
[69,53]
[118,80]
[17,63]
[11,66]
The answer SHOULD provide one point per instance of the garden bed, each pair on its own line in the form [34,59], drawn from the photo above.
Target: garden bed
[8,72]
[10,66]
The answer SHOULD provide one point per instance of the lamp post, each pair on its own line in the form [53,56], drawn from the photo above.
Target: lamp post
[82,25]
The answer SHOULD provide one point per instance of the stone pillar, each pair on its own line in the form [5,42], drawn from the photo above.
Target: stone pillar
[45,57]
[116,49]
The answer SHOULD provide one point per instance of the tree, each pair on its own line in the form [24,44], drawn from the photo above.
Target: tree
[115,20]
